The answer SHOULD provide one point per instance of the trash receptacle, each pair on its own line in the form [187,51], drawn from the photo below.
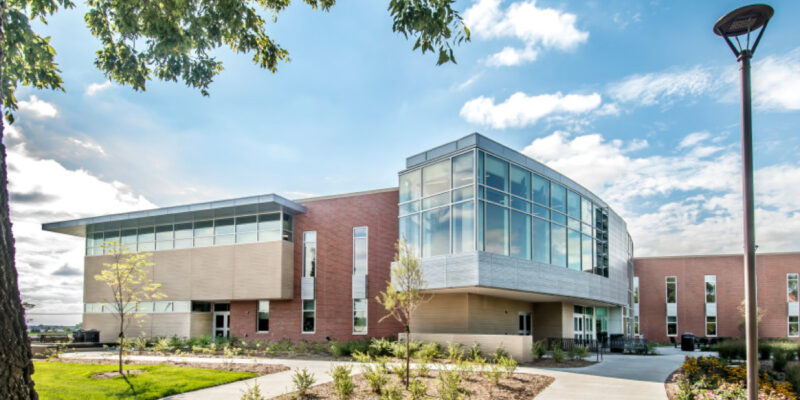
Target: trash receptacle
[687,342]
[616,343]
[77,336]
[91,336]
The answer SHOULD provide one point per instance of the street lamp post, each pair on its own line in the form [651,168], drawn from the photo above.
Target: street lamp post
[740,22]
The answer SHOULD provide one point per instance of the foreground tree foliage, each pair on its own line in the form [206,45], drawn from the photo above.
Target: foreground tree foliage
[170,40]
[126,277]
[403,295]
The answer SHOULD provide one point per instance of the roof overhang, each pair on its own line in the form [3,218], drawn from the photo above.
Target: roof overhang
[173,214]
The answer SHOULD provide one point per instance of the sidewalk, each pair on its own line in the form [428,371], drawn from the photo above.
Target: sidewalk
[625,377]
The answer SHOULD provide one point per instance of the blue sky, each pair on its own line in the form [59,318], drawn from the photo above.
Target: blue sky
[638,101]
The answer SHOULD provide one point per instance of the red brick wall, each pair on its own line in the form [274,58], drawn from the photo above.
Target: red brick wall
[334,220]
[771,272]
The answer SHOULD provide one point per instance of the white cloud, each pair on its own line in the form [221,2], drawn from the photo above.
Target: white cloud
[688,202]
[521,110]
[693,139]
[37,108]
[537,28]
[776,82]
[649,89]
[88,145]
[95,88]
[469,82]
[43,190]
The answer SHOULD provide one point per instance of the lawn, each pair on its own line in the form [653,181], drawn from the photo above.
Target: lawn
[65,381]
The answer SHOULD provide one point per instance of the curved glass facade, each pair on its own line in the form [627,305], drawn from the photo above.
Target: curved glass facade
[479,201]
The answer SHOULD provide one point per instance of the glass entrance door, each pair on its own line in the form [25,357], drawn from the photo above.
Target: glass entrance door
[222,321]
[525,324]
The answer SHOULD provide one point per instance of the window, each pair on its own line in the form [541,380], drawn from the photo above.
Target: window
[287,227]
[463,169]
[672,290]
[436,232]
[203,233]
[711,289]
[183,236]
[574,250]
[586,252]
[520,182]
[558,198]
[635,324]
[496,174]
[247,229]
[436,178]
[269,227]
[262,324]
[224,230]
[541,190]
[360,316]
[794,326]
[409,230]
[586,211]
[558,240]
[541,241]
[164,237]
[711,326]
[573,204]
[463,227]
[360,250]
[520,238]
[496,235]
[791,288]
[635,290]
[201,306]
[309,254]
[410,185]
[309,315]
[672,326]
[129,239]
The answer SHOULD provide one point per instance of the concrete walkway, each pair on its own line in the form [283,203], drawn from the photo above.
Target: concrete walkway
[624,377]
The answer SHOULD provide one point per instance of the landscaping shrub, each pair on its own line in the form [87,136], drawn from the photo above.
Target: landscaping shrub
[454,351]
[709,378]
[417,390]
[428,351]
[252,393]
[302,381]
[450,385]
[782,351]
[500,353]
[474,352]
[508,364]
[493,374]
[380,347]
[399,348]
[357,345]
[793,373]
[557,352]
[342,382]
[338,349]
[400,371]
[732,350]
[539,349]
[392,393]
[376,378]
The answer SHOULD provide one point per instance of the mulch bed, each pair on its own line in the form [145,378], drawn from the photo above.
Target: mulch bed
[261,369]
[670,386]
[518,386]
[550,363]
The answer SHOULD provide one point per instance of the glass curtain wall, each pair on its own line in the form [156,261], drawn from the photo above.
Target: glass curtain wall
[264,227]
[517,213]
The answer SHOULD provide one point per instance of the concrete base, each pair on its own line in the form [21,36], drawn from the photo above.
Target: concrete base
[518,346]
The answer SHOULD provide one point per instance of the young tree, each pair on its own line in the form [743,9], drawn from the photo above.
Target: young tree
[126,276]
[404,293]
[170,41]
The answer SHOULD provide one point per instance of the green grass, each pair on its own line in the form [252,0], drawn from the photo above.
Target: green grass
[64,381]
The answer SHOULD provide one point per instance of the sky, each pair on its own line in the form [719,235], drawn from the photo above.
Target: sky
[637,101]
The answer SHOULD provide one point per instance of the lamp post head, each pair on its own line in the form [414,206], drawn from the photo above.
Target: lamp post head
[744,21]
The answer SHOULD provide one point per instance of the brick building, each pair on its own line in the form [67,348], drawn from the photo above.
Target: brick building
[702,295]
[512,251]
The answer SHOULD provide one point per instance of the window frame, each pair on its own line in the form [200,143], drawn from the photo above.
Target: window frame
[303,312]
[366,248]
[666,289]
[258,316]
[366,317]
[789,278]
[316,257]
[676,326]
[716,321]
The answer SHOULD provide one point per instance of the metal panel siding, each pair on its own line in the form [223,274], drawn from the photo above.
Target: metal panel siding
[307,286]
[360,286]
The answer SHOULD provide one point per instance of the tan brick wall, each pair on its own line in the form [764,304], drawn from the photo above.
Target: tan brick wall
[547,320]
[221,273]
[444,313]
[493,315]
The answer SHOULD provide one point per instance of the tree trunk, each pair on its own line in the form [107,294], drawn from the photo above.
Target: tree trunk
[16,366]
[408,355]
[121,339]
